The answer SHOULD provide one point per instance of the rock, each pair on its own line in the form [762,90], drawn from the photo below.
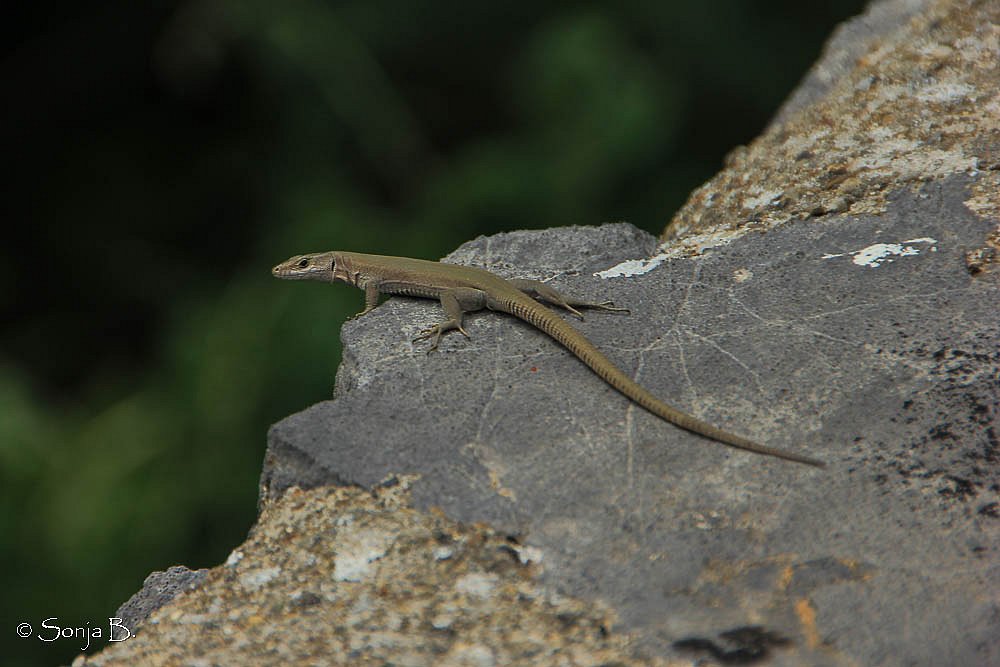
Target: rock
[833,291]
[280,601]
[159,588]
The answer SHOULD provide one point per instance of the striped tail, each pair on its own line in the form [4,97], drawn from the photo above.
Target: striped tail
[530,311]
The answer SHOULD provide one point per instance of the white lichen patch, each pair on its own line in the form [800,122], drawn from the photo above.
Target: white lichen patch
[356,553]
[946,92]
[254,579]
[527,554]
[632,267]
[875,255]
[476,584]
[763,199]
[691,245]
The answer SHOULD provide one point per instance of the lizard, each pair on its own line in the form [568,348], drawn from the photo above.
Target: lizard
[464,289]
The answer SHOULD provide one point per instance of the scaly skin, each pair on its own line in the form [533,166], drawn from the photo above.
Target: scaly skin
[463,289]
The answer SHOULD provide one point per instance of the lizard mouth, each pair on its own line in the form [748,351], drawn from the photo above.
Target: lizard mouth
[282,271]
[293,272]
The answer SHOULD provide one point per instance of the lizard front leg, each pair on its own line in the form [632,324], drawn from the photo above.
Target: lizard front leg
[371,298]
[548,294]
[456,302]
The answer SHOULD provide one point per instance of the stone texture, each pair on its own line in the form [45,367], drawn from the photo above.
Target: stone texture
[832,291]
[918,103]
[158,589]
[862,340]
[433,592]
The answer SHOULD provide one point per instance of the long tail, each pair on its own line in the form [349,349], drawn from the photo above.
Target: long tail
[572,340]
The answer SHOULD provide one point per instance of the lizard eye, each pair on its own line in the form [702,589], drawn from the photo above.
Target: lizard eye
[303,263]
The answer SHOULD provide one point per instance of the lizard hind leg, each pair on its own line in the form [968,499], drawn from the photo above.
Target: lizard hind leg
[456,303]
[550,295]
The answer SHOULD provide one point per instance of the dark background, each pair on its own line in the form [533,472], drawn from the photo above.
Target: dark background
[162,156]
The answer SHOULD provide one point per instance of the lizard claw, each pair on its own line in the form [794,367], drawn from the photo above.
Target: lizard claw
[437,330]
[426,333]
[610,305]
[432,332]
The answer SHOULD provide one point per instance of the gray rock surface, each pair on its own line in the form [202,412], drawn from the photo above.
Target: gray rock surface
[834,290]
[861,340]
[158,589]
[343,576]
[850,41]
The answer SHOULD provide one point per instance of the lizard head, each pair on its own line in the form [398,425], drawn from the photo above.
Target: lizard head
[314,266]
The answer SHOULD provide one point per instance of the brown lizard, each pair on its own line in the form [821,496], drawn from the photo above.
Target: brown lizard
[463,289]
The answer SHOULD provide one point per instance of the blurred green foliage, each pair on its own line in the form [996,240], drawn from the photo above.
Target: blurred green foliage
[170,153]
